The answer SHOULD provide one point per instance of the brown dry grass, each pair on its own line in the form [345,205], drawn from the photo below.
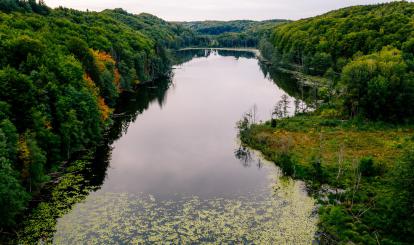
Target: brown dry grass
[331,143]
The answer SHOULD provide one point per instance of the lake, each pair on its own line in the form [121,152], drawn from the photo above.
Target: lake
[173,170]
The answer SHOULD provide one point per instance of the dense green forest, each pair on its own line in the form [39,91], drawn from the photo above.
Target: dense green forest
[366,52]
[61,73]
[237,33]
[355,149]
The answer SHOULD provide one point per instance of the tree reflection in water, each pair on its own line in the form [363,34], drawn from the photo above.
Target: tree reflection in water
[245,156]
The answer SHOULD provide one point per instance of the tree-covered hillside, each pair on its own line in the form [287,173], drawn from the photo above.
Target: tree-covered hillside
[219,27]
[367,51]
[237,33]
[61,72]
[171,35]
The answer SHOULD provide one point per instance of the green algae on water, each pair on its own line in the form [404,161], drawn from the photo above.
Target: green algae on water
[283,217]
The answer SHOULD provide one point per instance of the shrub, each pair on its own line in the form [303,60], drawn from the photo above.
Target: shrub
[366,167]
[286,163]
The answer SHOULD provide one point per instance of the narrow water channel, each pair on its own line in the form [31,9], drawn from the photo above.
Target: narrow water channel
[177,174]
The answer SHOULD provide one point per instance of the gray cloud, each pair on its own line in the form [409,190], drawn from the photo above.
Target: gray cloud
[217,9]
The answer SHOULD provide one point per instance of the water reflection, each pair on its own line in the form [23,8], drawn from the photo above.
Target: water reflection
[130,105]
[173,174]
[184,56]
[186,146]
[302,91]
[246,158]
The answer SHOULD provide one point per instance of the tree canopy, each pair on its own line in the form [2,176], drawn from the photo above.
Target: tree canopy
[371,46]
[237,33]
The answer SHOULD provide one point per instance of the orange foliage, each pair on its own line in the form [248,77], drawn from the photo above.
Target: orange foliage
[48,125]
[117,79]
[104,108]
[102,58]
[91,84]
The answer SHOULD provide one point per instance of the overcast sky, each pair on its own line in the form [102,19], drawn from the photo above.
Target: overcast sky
[185,10]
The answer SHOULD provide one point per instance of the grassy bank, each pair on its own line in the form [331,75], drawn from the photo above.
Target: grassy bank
[358,171]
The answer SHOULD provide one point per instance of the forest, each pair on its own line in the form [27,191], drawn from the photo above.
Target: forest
[366,53]
[61,73]
[237,33]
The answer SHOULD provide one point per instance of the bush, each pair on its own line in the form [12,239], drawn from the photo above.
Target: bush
[286,163]
[317,171]
[335,220]
[366,167]
[273,123]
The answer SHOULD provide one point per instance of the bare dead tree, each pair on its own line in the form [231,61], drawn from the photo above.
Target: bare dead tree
[297,106]
[285,105]
[357,181]
[277,110]
[340,168]
[254,113]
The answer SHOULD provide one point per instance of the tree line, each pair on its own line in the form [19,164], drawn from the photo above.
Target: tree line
[366,52]
[237,33]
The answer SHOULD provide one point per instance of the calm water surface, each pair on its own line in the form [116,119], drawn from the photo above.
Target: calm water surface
[174,177]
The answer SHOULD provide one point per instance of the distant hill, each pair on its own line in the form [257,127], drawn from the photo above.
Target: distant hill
[237,33]
[235,26]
